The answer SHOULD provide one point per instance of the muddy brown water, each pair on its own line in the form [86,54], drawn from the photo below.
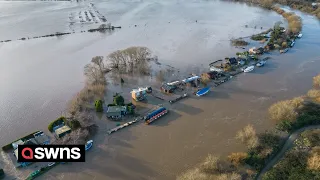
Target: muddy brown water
[39,76]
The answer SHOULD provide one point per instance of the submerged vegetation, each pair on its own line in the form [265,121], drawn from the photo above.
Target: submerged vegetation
[239,42]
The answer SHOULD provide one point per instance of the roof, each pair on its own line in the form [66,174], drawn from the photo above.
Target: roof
[62,130]
[167,87]
[16,153]
[112,109]
[42,139]
[15,144]
[30,142]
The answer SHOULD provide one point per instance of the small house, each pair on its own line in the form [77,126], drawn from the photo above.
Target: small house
[210,75]
[62,131]
[167,88]
[231,61]
[260,50]
[116,112]
[139,94]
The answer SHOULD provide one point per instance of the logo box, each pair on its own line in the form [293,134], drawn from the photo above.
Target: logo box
[51,153]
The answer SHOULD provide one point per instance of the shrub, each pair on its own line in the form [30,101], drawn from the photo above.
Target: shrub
[239,42]
[99,105]
[257,37]
[316,81]
[74,124]
[194,174]
[313,93]
[210,164]
[237,158]
[56,122]
[248,136]
[314,159]
[229,176]
[118,100]
[285,110]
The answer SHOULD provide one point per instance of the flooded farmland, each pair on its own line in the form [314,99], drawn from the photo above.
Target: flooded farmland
[38,77]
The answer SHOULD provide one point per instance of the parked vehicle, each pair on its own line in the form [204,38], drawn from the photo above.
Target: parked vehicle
[284,50]
[292,44]
[299,35]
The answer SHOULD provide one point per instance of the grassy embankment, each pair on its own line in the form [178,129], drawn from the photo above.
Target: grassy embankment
[289,115]
[300,162]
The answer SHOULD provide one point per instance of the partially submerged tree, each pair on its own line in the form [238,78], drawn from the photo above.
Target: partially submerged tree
[118,100]
[131,60]
[248,136]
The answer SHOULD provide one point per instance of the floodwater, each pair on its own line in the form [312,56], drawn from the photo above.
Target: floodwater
[38,77]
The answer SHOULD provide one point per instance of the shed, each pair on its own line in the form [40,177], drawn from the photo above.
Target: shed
[60,132]
[116,112]
[167,88]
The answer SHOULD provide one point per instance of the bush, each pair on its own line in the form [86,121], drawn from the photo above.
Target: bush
[118,100]
[285,110]
[56,122]
[257,37]
[237,158]
[210,164]
[314,159]
[248,136]
[98,104]
[239,42]
[74,124]
[316,81]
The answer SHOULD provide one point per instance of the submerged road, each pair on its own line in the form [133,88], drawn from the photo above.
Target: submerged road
[288,144]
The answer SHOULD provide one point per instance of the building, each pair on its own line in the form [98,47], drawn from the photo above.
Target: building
[210,75]
[231,61]
[167,88]
[116,112]
[42,139]
[15,144]
[60,132]
[139,94]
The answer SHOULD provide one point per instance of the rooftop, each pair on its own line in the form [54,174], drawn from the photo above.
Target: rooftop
[62,130]
[42,139]
[112,109]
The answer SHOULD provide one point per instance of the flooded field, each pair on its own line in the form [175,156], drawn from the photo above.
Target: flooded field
[38,77]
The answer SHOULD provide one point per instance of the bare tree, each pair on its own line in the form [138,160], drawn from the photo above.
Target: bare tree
[130,60]
[94,74]
[98,61]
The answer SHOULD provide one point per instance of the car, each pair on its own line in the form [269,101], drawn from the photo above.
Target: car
[284,50]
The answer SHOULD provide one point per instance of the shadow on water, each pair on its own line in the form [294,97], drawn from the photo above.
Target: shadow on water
[188,109]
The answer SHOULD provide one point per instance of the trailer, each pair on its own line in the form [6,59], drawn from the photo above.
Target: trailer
[154,115]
